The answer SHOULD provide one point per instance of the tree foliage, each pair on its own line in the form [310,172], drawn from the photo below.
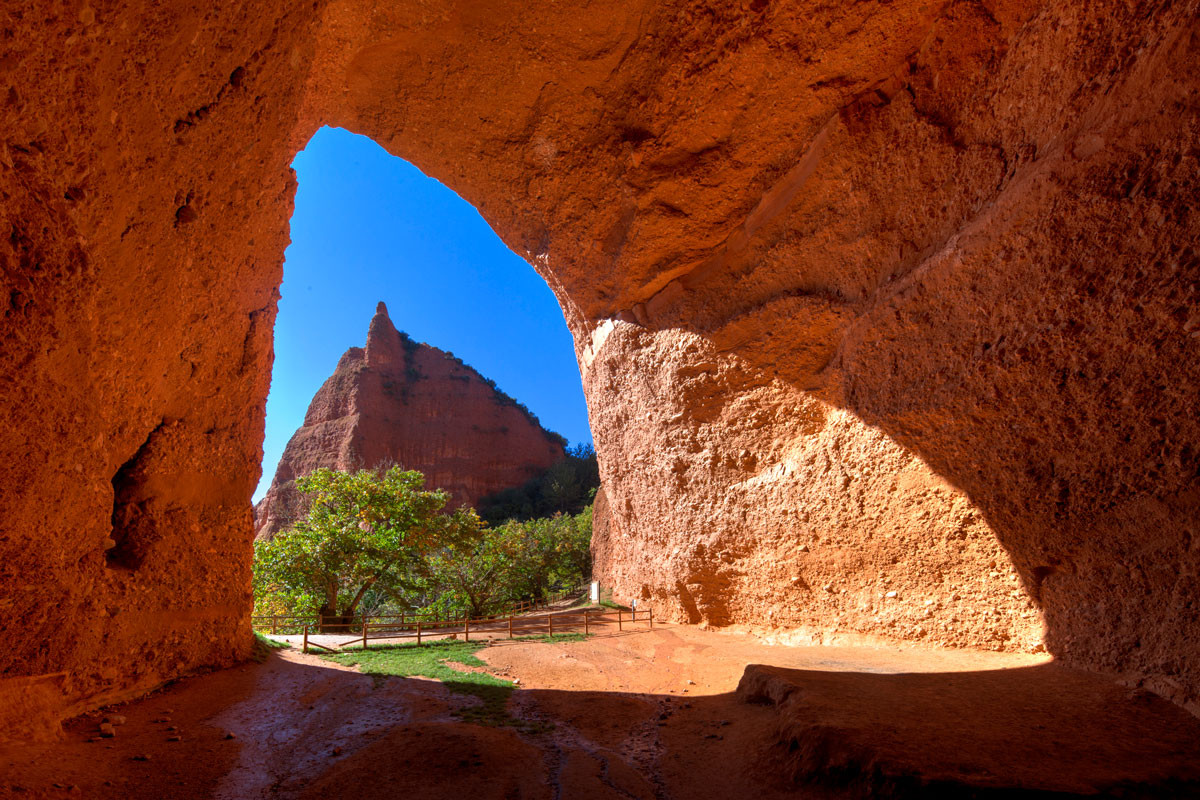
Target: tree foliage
[377,542]
[519,560]
[369,531]
[566,487]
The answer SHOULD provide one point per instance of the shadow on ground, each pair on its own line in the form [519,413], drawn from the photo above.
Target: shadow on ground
[819,722]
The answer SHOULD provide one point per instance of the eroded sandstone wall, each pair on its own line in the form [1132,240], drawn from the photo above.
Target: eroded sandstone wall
[962,234]
[882,297]
[144,199]
[778,509]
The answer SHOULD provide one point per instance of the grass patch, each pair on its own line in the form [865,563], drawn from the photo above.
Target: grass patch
[558,637]
[430,661]
[606,601]
[263,646]
[426,660]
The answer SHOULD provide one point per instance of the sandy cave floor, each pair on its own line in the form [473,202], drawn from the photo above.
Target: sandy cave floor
[638,714]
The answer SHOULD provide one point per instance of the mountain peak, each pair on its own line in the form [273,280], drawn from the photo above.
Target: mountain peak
[383,340]
[398,401]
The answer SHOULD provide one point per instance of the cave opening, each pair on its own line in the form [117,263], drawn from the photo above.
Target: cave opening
[369,227]
[465,372]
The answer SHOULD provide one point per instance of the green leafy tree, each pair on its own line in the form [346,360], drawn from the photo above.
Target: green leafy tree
[549,553]
[574,562]
[483,575]
[367,533]
[474,576]
[565,487]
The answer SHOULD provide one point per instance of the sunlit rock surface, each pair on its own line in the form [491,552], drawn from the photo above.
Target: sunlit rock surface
[869,298]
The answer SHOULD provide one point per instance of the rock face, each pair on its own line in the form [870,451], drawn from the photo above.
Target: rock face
[830,532]
[886,312]
[402,402]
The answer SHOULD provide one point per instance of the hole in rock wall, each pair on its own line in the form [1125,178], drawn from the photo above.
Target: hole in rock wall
[133,528]
[370,227]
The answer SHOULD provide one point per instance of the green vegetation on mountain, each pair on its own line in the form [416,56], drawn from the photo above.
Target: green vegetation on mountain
[566,487]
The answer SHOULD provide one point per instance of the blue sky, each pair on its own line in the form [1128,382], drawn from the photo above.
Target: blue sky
[369,227]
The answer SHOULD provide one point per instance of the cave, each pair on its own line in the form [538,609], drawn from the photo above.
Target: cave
[886,313]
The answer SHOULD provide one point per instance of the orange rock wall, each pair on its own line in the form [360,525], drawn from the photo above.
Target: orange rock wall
[871,298]
[778,509]
[142,229]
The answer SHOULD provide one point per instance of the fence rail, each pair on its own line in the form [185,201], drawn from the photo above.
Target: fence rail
[276,623]
[511,625]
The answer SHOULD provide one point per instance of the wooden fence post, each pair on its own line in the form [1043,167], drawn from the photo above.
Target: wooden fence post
[652,618]
[619,626]
[418,631]
[274,623]
[365,625]
[585,622]
[510,626]
[467,629]
[305,638]
[550,622]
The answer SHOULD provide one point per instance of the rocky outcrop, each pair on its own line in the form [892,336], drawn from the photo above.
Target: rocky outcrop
[398,401]
[779,509]
[897,299]
[1037,729]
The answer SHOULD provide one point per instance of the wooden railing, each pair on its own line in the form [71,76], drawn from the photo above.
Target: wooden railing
[510,625]
[272,623]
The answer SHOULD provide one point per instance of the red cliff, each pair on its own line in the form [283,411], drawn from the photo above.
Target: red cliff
[403,402]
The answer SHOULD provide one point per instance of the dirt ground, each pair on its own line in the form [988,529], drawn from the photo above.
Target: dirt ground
[633,714]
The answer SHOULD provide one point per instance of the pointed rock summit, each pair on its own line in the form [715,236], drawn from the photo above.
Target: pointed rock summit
[398,401]
[384,342]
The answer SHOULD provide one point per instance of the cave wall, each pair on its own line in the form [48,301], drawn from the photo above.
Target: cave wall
[885,312]
[780,510]
[942,255]
[142,229]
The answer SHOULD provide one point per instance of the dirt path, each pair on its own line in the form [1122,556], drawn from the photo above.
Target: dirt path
[647,715]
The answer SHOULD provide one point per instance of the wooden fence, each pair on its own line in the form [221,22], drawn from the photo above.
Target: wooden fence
[510,626]
[275,623]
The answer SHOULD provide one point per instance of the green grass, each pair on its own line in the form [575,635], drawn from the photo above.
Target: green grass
[558,637]
[606,600]
[430,661]
[263,646]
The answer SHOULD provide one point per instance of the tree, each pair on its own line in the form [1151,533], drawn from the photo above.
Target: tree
[474,577]
[483,575]
[575,548]
[370,531]
[549,552]
[565,487]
